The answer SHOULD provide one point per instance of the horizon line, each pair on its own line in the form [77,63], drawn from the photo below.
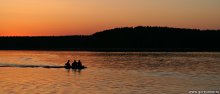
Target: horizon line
[118,28]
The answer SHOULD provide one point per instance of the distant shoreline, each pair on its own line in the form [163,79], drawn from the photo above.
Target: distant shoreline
[117,50]
[126,39]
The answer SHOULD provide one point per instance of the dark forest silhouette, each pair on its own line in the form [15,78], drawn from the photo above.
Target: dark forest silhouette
[122,39]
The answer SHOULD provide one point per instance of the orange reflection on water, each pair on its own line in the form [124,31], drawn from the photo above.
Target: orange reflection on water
[109,72]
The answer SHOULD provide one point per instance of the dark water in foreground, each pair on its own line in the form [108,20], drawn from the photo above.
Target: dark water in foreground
[109,72]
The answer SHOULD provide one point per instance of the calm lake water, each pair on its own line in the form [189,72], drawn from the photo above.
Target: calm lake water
[109,72]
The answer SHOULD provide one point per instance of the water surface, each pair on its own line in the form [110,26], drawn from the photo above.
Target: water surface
[109,72]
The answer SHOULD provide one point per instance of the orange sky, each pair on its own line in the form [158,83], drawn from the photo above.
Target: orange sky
[74,17]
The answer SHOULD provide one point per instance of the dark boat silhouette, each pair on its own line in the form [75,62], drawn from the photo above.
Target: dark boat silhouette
[79,67]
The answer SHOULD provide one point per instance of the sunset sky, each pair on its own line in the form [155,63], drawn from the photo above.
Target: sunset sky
[74,17]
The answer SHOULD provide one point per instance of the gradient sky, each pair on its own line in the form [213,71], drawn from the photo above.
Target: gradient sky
[74,17]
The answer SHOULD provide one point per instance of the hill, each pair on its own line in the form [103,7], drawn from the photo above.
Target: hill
[122,39]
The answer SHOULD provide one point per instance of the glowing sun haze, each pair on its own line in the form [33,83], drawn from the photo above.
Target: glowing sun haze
[74,17]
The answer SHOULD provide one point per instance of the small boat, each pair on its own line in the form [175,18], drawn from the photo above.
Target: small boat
[79,67]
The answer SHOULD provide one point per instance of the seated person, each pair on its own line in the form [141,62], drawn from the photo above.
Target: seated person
[74,64]
[79,64]
[67,64]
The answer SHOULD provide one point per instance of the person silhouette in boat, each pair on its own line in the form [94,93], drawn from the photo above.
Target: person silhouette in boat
[79,64]
[67,65]
[74,64]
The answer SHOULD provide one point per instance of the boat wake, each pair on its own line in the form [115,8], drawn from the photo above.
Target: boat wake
[30,66]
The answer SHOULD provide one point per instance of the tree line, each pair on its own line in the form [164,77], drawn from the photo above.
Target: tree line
[140,38]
